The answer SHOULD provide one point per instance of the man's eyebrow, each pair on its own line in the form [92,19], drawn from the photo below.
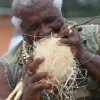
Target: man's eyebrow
[52,15]
[32,26]
[27,27]
[50,18]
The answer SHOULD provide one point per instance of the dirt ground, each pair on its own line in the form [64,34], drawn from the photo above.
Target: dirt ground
[6,32]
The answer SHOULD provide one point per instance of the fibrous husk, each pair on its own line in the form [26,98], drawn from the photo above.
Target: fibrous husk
[58,58]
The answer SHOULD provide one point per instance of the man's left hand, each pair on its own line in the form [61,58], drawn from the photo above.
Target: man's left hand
[72,38]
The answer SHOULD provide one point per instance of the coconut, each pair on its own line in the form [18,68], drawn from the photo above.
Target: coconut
[58,58]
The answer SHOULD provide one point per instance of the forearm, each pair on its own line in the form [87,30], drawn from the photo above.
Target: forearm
[92,62]
[4,87]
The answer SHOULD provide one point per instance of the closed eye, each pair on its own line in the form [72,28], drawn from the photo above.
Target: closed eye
[32,27]
[50,19]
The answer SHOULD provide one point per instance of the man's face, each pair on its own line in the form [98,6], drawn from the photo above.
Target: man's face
[41,19]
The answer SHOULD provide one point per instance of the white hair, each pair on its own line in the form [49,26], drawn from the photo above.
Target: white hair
[56,3]
[25,2]
[16,22]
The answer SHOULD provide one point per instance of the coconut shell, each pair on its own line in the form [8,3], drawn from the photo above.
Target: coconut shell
[58,58]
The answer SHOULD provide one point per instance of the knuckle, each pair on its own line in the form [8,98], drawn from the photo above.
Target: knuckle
[28,64]
[34,78]
[40,75]
[42,86]
[38,60]
[46,85]
[27,80]
[44,75]
[33,87]
[30,87]
[38,86]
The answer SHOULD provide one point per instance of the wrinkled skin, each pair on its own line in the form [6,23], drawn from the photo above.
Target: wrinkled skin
[47,20]
[74,41]
[33,87]
[41,20]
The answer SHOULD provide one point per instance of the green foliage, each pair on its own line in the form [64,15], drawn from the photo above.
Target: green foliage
[5,3]
[73,8]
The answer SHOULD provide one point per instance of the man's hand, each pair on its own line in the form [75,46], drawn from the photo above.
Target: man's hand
[88,60]
[72,39]
[33,85]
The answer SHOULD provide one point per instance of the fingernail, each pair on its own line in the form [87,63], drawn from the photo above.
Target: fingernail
[50,75]
[59,42]
[41,58]
[52,71]
[55,35]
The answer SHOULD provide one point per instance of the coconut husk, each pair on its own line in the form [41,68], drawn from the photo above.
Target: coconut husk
[58,58]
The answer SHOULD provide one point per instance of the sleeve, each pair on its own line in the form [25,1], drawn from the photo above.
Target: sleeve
[91,38]
[13,70]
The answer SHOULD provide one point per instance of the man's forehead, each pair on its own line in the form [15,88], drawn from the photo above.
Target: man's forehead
[41,11]
[19,8]
[40,15]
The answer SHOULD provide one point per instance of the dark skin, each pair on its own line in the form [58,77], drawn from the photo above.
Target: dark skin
[93,63]
[33,86]
[4,84]
[47,20]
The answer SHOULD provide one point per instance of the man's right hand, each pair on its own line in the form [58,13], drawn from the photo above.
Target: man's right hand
[33,85]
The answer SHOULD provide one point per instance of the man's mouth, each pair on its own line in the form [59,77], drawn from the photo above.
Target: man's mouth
[39,38]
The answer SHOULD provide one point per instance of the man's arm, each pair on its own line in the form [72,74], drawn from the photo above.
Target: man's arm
[92,62]
[87,59]
[5,89]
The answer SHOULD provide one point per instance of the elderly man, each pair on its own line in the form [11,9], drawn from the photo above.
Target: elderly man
[34,18]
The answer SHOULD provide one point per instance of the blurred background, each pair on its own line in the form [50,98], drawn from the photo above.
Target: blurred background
[76,10]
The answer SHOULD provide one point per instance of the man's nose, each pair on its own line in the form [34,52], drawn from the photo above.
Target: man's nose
[45,30]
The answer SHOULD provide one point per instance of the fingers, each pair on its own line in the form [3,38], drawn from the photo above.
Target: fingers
[30,60]
[69,41]
[67,31]
[39,76]
[35,64]
[38,84]
[63,32]
[69,36]
[42,86]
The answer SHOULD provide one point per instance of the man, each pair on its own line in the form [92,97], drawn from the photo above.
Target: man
[35,18]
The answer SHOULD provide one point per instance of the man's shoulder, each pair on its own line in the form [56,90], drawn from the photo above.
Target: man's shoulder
[3,83]
[91,37]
